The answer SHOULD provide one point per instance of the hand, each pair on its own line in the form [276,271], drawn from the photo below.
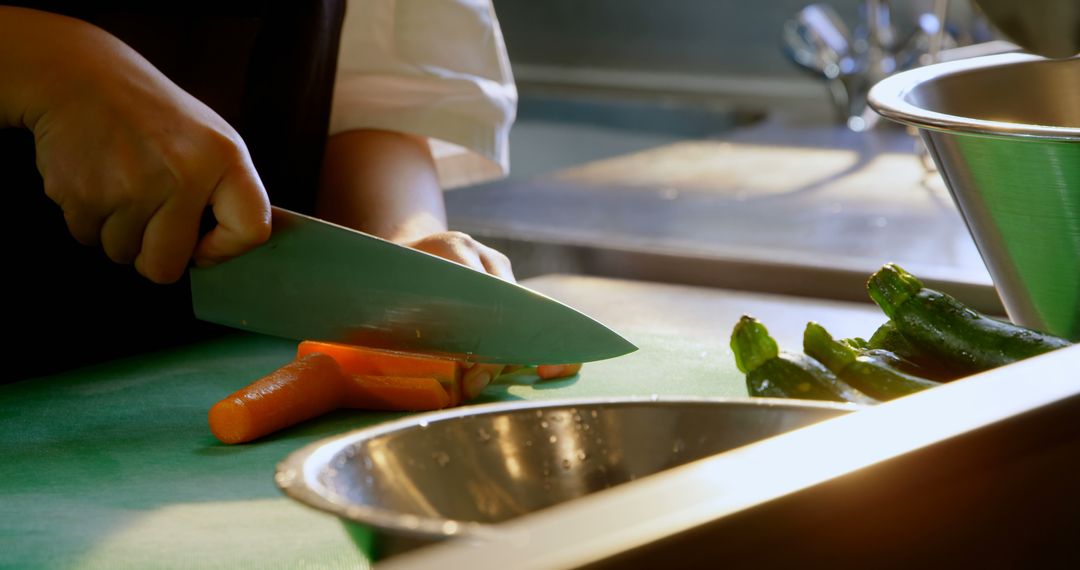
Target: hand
[385,183]
[462,248]
[133,160]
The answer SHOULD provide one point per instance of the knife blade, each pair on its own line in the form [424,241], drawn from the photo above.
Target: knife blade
[313,280]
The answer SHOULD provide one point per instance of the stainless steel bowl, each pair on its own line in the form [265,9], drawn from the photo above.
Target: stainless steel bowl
[456,473]
[1004,131]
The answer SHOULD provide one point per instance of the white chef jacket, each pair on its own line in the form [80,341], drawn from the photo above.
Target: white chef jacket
[433,68]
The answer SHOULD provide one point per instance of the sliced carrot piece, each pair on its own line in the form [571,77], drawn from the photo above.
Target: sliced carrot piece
[552,371]
[364,361]
[303,389]
[396,393]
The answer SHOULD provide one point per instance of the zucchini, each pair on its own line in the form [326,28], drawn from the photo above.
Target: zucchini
[959,337]
[887,341]
[871,372]
[773,373]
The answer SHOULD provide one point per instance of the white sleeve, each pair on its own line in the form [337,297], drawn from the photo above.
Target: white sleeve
[433,68]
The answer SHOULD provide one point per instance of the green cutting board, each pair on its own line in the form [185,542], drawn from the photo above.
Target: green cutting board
[114,467]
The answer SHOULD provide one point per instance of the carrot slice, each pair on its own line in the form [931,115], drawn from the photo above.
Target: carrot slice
[552,371]
[303,389]
[364,361]
[396,393]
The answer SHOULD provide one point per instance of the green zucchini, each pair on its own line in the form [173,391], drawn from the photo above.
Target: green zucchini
[959,337]
[773,373]
[872,372]
[888,342]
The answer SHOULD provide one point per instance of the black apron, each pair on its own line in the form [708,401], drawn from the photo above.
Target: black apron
[267,68]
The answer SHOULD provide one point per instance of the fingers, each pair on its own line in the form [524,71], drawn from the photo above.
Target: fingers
[122,233]
[242,210]
[496,263]
[462,248]
[168,241]
[478,377]
[84,225]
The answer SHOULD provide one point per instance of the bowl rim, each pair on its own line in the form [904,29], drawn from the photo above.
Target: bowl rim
[297,474]
[888,98]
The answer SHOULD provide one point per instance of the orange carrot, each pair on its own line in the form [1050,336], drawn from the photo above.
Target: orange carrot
[359,360]
[397,393]
[303,389]
[552,371]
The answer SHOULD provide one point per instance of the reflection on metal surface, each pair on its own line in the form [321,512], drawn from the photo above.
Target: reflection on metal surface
[752,495]
[1047,27]
[1012,163]
[413,476]
[316,281]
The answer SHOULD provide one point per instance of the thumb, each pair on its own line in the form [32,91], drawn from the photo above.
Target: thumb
[478,377]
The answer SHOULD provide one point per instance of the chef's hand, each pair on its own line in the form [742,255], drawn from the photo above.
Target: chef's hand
[462,248]
[386,183]
[131,158]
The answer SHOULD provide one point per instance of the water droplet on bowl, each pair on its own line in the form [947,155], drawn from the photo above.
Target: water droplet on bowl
[286,478]
[441,457]
[553,439]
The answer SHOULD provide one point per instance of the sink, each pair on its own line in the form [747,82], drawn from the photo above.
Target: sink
[555,130]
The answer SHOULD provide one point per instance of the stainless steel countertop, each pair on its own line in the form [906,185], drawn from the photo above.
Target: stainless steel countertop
[783,206]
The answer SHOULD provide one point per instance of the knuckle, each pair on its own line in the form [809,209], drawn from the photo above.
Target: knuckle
[460,239]
[256,232]
[227,145]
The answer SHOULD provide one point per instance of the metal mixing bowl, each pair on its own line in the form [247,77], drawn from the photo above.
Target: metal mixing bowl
[457,473]
[1004,131]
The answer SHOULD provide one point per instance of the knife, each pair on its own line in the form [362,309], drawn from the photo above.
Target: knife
[313,280]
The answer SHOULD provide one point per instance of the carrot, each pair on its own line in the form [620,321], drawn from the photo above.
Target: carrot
[552,371]
[397,393]
[363,361]
[303,389]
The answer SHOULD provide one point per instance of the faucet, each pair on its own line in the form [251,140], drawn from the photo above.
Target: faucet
[850,63]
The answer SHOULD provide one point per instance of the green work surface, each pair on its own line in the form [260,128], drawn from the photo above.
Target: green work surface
[114,466]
